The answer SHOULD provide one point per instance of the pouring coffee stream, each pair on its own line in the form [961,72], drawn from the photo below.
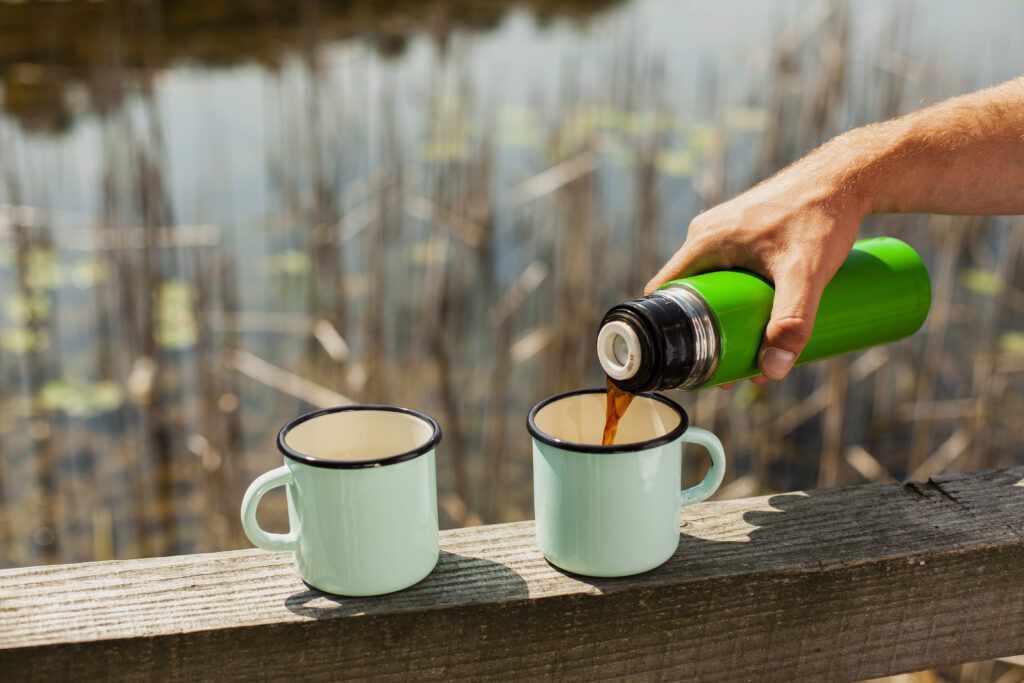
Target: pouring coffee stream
[618,401]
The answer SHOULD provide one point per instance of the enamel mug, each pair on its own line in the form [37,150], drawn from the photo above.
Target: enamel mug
[613,510]
[362,498]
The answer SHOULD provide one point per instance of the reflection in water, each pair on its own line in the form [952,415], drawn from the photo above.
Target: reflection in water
[211,223]
[54,53]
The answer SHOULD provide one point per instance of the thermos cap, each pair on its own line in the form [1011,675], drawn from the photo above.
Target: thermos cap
[664,340]
[618,349]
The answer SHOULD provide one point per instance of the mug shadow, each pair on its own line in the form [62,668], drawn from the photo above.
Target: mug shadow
[821,528]
[451,582]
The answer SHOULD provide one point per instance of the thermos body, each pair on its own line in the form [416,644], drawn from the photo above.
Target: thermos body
[706,330]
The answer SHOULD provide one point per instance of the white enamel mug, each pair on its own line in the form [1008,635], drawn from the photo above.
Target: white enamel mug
[613,510]
[362,498]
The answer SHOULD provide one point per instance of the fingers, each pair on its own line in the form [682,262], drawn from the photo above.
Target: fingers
[689,260]
[672,269]
[792,319]
[757,379]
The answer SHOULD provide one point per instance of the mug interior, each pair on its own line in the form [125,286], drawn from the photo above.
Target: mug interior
[578,418]
[359,435]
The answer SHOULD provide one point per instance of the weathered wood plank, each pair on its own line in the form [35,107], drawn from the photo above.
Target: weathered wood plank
[836,584]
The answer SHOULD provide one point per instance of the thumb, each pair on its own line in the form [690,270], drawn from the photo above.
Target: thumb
[793,310]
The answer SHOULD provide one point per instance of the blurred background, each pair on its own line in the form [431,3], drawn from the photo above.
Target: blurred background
[217,216]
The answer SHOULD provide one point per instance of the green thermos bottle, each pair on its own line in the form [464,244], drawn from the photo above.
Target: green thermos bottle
[706,330]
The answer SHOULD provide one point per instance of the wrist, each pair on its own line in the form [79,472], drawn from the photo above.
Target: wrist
[864,165]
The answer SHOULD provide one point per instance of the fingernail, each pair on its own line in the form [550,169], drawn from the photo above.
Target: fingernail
[775,363]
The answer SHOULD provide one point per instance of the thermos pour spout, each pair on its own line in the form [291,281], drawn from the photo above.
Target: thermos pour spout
[618,350]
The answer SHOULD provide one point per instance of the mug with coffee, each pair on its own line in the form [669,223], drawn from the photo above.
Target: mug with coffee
[613,510]
[362,498]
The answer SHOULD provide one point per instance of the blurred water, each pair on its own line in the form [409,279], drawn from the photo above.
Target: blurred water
[197,208]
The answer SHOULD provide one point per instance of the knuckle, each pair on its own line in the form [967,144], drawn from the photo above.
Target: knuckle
[791,326]
[797,263]
[699,223]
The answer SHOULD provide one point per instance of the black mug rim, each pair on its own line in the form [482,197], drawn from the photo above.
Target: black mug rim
[289,452]
[544,437]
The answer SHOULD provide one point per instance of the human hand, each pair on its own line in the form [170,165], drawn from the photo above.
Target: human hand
[960,156]
[796,229]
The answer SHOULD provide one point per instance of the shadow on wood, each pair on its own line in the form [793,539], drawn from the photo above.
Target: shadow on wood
[453,573]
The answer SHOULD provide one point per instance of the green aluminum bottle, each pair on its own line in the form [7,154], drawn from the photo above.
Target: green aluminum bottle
[706,330]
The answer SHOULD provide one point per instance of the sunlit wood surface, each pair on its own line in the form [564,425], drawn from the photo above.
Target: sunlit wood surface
[831,584]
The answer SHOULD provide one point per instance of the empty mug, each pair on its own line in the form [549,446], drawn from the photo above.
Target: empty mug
[613,510]
[362,498]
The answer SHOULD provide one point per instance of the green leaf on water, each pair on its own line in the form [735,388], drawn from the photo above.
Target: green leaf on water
[638,124]
[608,118]
[106,396]
[450,105]
[21,309]
[677,163]
[289,262]
[746,393]
[176,321]
[451,131]
[747,119]
[53,395]
[43,271]
[445,148]
[587,119]
[982,281]
[430,252]
[584,121]
[1012,342]
[702,139]
[519,126]
[21,340]
[78,398]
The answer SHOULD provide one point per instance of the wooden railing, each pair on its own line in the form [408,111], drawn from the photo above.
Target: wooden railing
[837,584]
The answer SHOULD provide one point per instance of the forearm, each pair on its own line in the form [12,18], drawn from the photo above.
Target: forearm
[961,156]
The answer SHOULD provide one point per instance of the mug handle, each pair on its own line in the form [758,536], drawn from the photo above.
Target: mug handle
[256,490]
[716,472]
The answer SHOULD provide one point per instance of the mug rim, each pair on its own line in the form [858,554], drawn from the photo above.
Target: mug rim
[576,447]
[291,453]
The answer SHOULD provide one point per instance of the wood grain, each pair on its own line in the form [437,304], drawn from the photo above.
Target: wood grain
[836,584]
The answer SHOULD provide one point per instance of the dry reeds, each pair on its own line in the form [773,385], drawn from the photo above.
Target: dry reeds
[433,246]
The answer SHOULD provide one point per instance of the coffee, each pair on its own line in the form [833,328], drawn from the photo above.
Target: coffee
[618,401]
[613,510]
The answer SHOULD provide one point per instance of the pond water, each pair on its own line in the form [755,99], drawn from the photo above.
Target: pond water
[212,221]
